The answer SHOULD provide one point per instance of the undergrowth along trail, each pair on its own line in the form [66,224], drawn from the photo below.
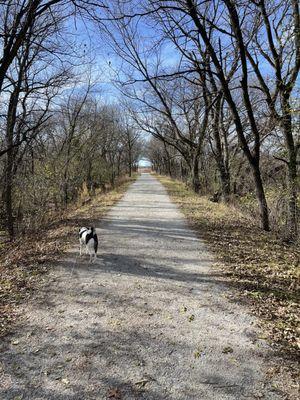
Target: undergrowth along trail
[24,261]
[263,268]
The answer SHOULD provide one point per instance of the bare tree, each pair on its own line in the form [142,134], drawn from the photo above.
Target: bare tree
[30,92]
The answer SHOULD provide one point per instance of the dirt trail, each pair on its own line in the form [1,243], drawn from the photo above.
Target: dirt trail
[150,320]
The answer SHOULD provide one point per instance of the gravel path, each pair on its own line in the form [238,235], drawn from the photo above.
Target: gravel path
[150,320]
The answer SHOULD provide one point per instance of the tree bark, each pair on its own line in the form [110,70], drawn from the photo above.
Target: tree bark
[222,166]
[89,180]
[10,157]
[195,174]
[253,157]
[8,188]
[167,158]
[287,128]
[129,159]
[261,197]
[225,181]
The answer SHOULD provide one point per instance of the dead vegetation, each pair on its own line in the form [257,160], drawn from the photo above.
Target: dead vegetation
[263,268]
[25,260]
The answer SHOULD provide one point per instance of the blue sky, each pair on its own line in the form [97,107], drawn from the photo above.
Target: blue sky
[105,62]
[144,162]
[90,43]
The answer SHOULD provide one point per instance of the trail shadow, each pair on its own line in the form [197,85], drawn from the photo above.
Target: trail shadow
[96,351]
[128,265]
[148,228]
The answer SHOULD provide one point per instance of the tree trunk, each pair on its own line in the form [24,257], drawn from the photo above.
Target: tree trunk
[222,166]
[260,194]
[168,163]
[8,194]
[119,164]
[8,189]
[130,164]
[66,171]
[221,146]
[129,161]
[225,182]
[287,128]
[293,195]
[66,189]
[182,173]
[195,174]
[89,180]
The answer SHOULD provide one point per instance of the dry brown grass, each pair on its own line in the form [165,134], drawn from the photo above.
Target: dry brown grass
[263,268]
[23,262]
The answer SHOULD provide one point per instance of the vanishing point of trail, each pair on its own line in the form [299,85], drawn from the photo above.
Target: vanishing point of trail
[150,320]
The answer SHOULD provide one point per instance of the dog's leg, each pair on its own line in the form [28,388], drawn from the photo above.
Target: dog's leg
[80,247]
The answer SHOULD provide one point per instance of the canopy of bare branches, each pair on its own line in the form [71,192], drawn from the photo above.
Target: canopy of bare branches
[214,84]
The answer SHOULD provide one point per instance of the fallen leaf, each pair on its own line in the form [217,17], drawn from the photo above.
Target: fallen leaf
[49,328]
[114,394]
[142,382]
[227,350]
[197,354]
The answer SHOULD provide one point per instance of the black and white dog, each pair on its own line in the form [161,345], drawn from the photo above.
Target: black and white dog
[89,238]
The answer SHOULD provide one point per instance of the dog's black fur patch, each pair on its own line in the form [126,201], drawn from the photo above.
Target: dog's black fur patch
[92,235]
[95,242]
